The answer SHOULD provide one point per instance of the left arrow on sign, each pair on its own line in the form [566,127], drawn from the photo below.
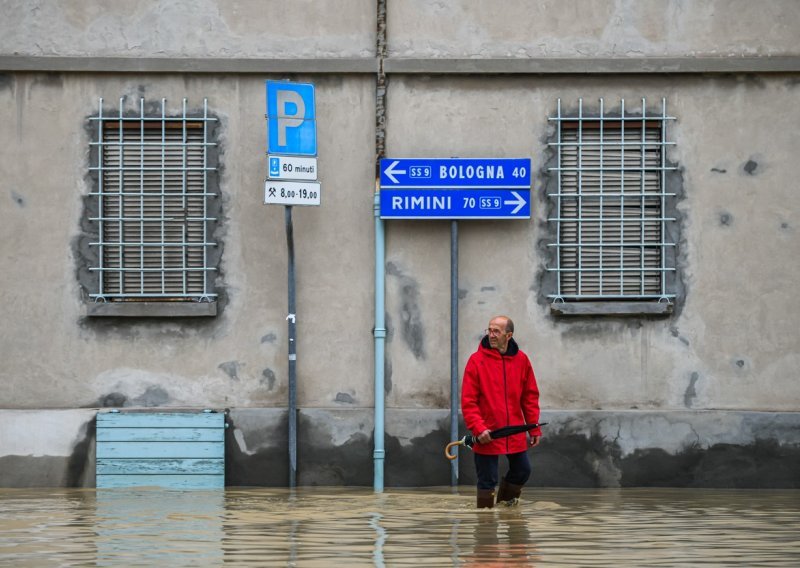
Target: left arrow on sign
[519,202]
[390,171]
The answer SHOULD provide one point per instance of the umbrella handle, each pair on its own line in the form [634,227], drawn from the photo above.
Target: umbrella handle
[455,444]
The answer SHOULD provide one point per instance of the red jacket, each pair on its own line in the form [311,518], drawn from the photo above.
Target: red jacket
[497,391]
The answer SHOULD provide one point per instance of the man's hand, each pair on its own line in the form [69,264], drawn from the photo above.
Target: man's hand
[533,441]
[484,437]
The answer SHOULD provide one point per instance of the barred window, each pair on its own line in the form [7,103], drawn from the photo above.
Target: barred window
[151,217]
[610,205]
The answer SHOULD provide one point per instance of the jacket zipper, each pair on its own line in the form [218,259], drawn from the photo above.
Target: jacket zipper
[505,389]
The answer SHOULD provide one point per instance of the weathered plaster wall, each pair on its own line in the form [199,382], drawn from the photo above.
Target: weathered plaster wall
[55,357]
[47,448]
[732,342]
[189,28]
[580,449]
[416,28]
[597,28]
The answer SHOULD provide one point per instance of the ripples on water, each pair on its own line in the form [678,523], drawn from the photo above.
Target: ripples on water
[401,527]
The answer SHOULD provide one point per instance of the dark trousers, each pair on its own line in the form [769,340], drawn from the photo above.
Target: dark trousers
[519,469]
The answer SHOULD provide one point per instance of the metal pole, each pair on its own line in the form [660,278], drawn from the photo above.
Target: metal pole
[454,346]
[292,353]
[379,454]
[380,340]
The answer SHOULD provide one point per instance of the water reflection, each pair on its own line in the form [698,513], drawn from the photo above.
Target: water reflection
[425,527]
[501,539]
[145,526]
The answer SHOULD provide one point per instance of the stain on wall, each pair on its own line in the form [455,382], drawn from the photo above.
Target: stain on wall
[51,80]
[80,466]
[152,396]
[575,460]
[265,464]
[762,464]
[344,397]
[230,368]
[565,459]
[32,471]
[321,462]
[691,392]
[18,199]
[411,328]
[387,375]
[268,378]
[420,463]
[110,400]
[676,333]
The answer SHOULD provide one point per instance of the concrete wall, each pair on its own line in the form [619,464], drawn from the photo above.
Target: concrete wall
[597,28]
[188,28]
[677,400]
[230,360]
[738,219]
[416,28]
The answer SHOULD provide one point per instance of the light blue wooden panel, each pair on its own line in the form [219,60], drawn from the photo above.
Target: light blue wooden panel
[160,420]
[160,434]
[179,450]
[167,481]
[160,466]
[160,450]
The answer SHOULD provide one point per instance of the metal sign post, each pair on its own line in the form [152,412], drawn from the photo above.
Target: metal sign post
[454,345]
[292,330]
[291,180]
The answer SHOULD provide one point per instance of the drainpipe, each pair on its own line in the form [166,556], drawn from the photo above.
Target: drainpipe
[380,308]
[380,340]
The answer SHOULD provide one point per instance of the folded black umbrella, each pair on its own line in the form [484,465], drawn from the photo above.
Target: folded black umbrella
[469,440]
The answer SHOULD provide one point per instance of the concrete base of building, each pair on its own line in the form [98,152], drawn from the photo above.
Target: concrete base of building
[601,448]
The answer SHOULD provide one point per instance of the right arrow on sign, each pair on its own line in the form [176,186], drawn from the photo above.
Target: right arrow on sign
[519,202]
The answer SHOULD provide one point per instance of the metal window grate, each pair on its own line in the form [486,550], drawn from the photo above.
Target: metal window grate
[152,205]
[610,205]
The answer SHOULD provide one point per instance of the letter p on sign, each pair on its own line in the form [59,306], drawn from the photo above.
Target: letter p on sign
[291,119]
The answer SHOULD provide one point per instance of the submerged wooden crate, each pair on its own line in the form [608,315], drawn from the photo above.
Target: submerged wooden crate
[181,450]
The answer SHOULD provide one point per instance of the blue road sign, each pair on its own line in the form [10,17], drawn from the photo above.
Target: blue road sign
[291,119]
[455,203]
[454,173]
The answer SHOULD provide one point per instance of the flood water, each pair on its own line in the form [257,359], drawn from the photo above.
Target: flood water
[400,527]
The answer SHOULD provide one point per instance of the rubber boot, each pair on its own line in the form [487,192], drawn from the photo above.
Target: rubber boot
[508,494]
[485,498]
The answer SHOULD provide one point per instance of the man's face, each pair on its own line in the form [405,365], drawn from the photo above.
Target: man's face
[498,336]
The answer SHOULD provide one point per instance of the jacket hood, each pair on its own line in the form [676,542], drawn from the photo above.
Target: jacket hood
[511,350]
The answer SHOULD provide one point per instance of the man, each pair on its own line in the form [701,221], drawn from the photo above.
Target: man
[499,389]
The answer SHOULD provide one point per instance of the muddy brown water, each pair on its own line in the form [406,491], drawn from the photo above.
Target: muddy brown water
[400,527]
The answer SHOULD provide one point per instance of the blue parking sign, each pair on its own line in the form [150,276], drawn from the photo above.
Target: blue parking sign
[291,119]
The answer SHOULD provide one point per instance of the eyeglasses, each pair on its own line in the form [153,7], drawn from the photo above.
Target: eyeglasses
[493,332]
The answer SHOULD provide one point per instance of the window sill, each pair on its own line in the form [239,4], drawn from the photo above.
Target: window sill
[151,309]
[611,308]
